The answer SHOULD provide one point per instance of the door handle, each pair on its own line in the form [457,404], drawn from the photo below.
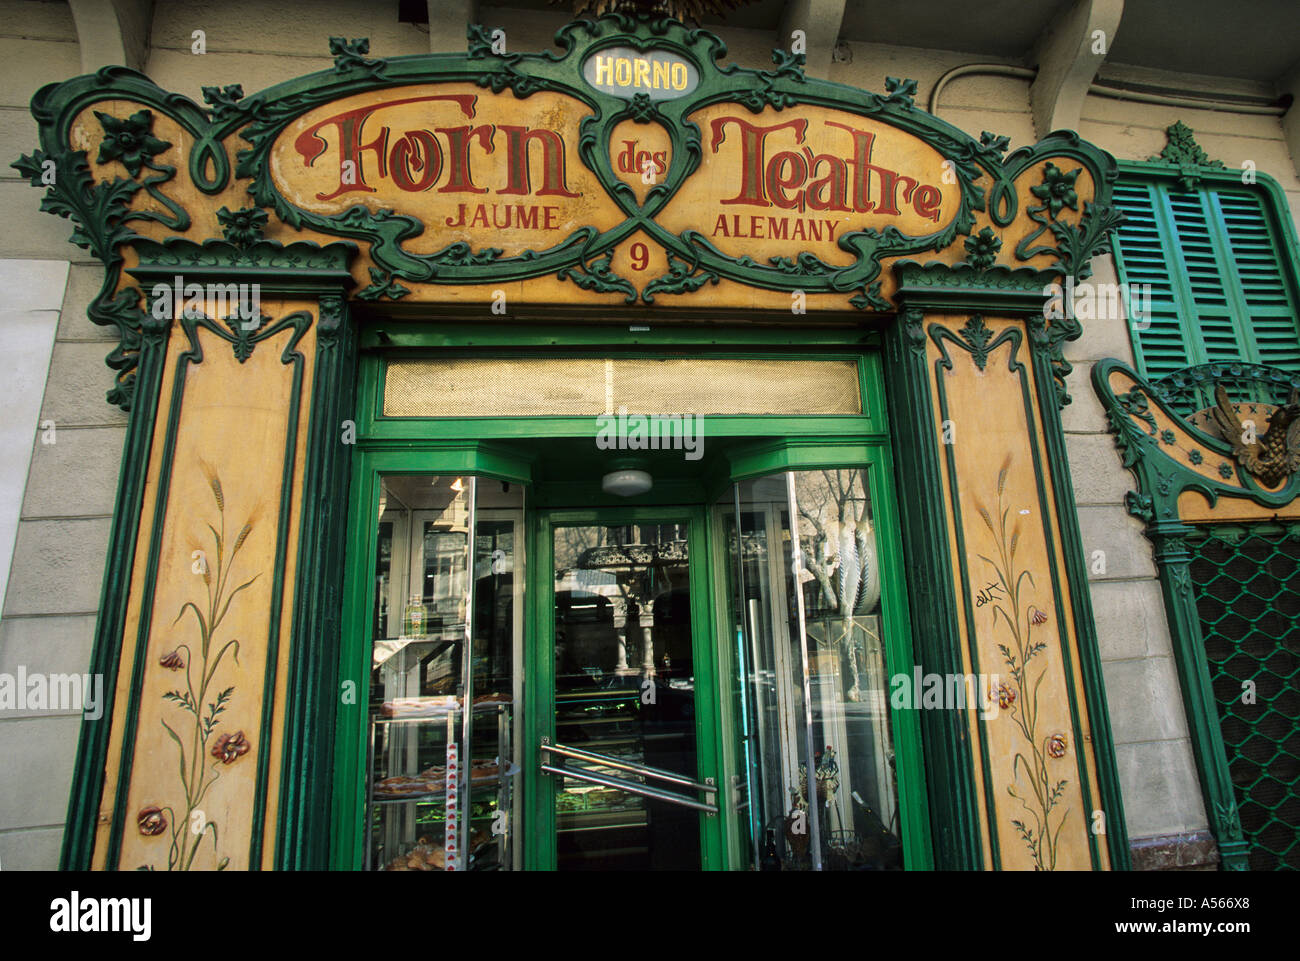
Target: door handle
[623,784]
[622,764]
[632,787]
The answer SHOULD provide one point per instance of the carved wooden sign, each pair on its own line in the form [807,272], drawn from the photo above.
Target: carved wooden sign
[471,166]
[634,166]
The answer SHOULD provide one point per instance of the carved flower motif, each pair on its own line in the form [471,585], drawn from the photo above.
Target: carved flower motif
[173,660]
[230,747]
[1056,745]
[982,248]
[151,821]
[1057,189]
[243,226]
[1006,695]
[1225,470]
[129,140]
[1167,436]
[1195,456]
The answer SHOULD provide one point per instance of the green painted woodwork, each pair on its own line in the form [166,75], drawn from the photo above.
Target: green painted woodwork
[88,773]
[226,263]
[102,218]
[511,449]
[1173,560]
[102,214]
[540,665]
[347,779]
[873,455]
[1049,384]
[99,211]
[975,338]
[1182,151]
[1220,259]
[298,322]
[313,693]
[1245,579]
[1160,481]
[937,646]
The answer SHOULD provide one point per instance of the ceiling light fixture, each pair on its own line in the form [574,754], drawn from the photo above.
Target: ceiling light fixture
[627,482]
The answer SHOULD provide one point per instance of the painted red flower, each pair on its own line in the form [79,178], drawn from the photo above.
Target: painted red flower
[151,821]
[1006,695]
[1038,617]
[173,661]
[1056,745]
[229,747]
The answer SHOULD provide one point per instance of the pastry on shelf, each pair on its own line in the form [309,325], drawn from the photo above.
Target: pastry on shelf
[500,697]
[425,856]
[400,707]
[408,786]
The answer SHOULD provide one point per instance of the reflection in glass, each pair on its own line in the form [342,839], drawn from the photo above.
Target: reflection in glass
[624,687]
[808,593]
[421,817]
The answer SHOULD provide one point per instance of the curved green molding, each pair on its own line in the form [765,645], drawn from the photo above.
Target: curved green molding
[102,216]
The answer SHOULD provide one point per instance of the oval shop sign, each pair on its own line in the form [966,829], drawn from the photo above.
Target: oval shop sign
[624,72]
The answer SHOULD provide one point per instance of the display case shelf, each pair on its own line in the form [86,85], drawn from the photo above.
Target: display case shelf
[409,831]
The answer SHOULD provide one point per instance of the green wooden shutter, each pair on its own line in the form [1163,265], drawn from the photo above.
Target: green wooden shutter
[1268,309]
[1215,268]
[1145,256]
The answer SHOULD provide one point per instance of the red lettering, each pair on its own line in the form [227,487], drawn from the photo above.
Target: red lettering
[926,202]
[310,144]
[459,180]
[753,168]
[862,143]
[525,217]
[627,160]
[777,185]
[518,179]
[417,151]
[835,182]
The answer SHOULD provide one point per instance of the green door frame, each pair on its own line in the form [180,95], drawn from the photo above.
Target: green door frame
[483,446]
[539,667]
[872,455]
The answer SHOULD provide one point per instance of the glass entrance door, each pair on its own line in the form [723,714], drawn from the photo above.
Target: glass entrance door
[625,753]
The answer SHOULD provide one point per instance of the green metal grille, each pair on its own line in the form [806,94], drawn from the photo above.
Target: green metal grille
[1247,584]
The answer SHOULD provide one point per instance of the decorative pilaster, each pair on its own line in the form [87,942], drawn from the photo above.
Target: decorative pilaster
[303,830]
[949,756]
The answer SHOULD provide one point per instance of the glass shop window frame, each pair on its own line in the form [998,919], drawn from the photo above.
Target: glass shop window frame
[873,458]
[482,446]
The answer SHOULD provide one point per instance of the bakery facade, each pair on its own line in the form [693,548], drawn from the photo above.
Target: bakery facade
[558,457]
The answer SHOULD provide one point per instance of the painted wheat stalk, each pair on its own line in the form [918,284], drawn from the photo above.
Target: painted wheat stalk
[197,775]
[1020,618]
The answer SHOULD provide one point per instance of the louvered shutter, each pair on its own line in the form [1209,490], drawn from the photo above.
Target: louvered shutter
[1144,257]
[1216,274]
[1268,309]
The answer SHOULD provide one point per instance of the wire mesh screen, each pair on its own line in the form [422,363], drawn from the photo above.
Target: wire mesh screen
[1247,583]
[590,386]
